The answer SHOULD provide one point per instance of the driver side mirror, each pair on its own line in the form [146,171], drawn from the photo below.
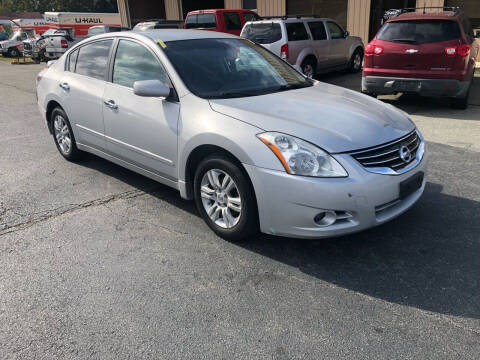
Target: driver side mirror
[151,88]
[346,34]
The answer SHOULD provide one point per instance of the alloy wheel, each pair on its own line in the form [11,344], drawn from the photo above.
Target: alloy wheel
[221,198]
[357,62]
[62,134]
[308,71]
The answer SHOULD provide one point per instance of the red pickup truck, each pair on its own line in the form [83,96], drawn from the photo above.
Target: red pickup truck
[229,21]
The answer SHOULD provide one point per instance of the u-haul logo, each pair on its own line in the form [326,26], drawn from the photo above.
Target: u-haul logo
[88,21]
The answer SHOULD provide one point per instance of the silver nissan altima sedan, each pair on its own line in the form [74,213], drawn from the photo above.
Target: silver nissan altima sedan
[257,145]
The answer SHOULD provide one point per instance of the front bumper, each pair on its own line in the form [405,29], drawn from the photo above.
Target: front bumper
[288,204]
[426,87]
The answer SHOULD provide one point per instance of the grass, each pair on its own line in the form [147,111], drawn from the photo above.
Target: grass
[8,59]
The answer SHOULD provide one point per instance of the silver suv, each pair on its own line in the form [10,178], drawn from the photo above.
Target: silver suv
[315,44]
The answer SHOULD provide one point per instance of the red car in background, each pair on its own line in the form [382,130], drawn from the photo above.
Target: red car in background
[229,21]
[430,54]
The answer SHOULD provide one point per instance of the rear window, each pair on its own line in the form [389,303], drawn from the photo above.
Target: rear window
[419,31]
[204,21]
[296,31]
[262,33]
[93,58]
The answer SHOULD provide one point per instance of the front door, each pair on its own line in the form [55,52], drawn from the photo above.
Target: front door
[140,130]
[338,44]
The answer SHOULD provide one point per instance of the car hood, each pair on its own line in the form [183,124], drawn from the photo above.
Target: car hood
[332,117]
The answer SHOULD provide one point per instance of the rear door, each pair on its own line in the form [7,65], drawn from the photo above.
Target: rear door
[320,42]
[140,130]
[417,48]
[83,85]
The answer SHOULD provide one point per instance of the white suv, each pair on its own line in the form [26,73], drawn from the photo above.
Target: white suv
[315,44]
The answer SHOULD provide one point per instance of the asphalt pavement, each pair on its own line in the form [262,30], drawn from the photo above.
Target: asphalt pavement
[97,262]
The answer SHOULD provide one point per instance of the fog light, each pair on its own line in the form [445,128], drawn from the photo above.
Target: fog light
[325,218]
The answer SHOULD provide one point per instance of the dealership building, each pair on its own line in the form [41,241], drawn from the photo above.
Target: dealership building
[360,17]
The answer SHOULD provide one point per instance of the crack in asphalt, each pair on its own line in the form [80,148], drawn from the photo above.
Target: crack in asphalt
[61,210]
[18,88]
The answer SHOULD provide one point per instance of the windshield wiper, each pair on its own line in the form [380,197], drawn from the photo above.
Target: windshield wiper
[292,86]
[409,41]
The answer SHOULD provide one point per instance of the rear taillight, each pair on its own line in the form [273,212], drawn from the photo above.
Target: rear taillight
[373,49]
[284,52]
[462,50]
[64,44]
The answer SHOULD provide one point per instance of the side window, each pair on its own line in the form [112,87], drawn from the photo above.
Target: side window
[232,21]
[23,36]
[134,62]
[296,31]
[72,61]
[318,30]
[92,59]
[250,17]
[336,31]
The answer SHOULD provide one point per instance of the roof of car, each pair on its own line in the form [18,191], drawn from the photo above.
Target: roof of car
[183,34]
[290,19]
[219,10]
[426,16]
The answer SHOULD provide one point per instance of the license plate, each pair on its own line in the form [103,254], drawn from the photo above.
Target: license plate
[411,86]
[410,185]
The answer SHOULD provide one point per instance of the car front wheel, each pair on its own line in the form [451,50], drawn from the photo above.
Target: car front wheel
[225,198]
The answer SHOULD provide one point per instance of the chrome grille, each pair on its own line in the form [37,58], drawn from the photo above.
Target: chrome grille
[388,155]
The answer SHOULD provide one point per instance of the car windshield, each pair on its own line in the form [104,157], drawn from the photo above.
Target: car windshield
[226,68]
[15,35]
[49,32]
[419,31]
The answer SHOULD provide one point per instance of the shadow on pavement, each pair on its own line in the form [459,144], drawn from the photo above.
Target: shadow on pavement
[428,258]
[413,104]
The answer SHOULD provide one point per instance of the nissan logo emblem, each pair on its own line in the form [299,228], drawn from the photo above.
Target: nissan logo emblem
[405,154]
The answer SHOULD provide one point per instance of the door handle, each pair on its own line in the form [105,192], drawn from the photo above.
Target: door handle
[111,104]
[64,86]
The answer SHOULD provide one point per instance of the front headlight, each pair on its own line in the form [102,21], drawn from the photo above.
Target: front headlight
[300,157]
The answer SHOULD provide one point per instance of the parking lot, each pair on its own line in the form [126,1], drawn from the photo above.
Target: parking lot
[99,262]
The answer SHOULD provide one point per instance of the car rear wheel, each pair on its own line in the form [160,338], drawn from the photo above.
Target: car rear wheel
[461,103]
[355,64]
[13,52]
[309,67]
[225,198]
[63,135]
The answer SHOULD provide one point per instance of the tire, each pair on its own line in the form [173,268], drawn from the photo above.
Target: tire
[234,220]
[369,94]
[355,63]
[63,135]
[461,103]
[13,52]
[309,67]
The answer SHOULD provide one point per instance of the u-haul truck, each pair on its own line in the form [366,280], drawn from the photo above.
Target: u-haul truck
[76,26]
[22,29]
